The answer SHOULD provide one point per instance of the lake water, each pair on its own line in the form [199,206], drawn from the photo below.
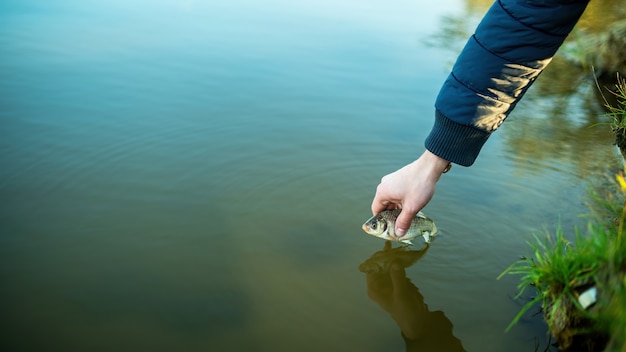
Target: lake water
[193,176]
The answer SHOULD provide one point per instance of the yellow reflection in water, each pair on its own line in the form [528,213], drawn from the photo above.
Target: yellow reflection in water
[600,13]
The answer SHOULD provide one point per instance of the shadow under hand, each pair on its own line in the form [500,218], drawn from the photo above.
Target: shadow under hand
[388,286]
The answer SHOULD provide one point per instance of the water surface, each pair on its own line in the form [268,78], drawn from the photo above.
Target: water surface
[193,175]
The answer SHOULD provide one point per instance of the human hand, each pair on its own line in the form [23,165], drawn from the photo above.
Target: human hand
[409,188]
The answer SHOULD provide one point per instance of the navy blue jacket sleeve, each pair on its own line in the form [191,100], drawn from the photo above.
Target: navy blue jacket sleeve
[511,46]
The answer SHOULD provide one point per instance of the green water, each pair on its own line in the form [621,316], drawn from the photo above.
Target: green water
[193,176]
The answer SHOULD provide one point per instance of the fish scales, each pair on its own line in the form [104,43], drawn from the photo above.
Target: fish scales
[382,225]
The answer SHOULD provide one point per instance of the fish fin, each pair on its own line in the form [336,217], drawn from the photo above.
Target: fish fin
[407,242]
[426,236]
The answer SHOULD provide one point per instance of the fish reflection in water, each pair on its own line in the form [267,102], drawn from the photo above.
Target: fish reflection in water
[388,286]
[399,257]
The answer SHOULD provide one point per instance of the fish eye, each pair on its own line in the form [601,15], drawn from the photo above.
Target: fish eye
[373,225]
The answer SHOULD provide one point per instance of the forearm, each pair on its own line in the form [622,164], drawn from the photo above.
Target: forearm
[512,45]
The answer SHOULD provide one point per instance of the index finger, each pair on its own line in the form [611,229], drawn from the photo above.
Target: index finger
[379,205]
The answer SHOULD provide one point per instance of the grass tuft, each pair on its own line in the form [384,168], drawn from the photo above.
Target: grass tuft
[615,105]
[560,269]
[555,268]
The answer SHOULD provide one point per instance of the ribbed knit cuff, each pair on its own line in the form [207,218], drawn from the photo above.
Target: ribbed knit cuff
[454,142]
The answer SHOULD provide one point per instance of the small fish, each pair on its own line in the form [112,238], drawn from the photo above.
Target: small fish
[382,225]
[381,261]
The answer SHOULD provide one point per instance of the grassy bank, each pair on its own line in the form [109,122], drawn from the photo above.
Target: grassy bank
[581,283]
[580,277]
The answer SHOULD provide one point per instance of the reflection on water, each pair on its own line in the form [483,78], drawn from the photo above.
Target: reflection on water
[193,175]
[389,286]
[399,257]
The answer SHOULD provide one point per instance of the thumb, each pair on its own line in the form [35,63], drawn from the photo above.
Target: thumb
[403,222]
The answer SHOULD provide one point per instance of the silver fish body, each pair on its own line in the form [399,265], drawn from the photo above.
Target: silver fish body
[382,225]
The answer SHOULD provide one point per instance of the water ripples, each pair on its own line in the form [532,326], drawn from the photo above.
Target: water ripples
[193,149]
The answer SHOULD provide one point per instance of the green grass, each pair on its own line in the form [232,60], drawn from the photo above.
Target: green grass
[616,110]
[612,278]
[615,105]
[558,269]
[555,269]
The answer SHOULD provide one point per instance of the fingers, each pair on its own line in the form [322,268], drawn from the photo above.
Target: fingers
[381,201]
[377,208]
[403,222]
[378,205]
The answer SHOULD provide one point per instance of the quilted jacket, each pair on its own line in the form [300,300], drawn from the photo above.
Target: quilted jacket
[511,46]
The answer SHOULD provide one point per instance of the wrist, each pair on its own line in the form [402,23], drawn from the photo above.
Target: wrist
[435,163]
